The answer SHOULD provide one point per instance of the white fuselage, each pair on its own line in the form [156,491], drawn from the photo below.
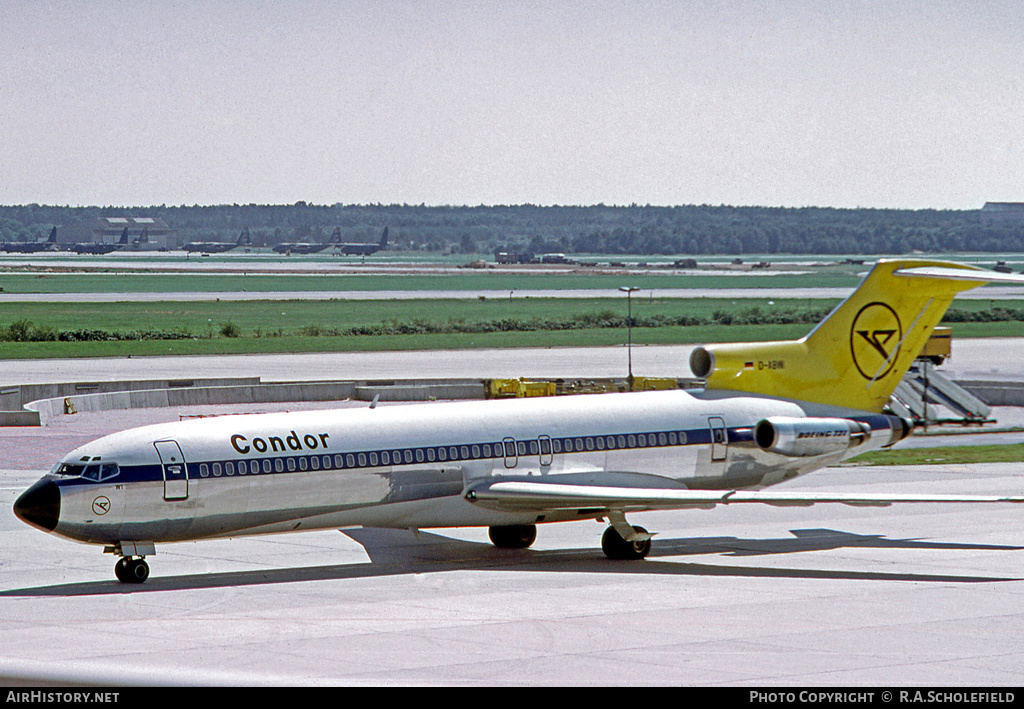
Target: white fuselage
[409,466]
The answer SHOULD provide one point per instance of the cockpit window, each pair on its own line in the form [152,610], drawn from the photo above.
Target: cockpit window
[100,472]
[97,472]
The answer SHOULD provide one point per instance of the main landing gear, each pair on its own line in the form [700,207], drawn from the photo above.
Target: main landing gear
[515,536]
[619,549]
[634,546]
[131,569]
[623,541]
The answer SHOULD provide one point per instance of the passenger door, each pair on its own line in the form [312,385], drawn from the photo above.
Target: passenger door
[719,438]
[175,470]
[511,455]
[546,453]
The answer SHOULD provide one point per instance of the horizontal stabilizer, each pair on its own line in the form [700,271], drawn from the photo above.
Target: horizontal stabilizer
[517,495]
[961,274]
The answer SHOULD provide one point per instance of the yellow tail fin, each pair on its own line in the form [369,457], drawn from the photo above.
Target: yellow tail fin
[857,355]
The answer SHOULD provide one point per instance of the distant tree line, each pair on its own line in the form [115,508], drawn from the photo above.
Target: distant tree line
[597,229]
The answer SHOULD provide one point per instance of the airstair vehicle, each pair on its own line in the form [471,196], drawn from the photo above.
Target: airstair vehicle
[929,397]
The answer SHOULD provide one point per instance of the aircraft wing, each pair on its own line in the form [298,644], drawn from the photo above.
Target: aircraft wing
[518,495]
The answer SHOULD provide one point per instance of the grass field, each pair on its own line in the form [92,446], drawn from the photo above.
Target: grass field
[286,326]
[288,316]
[301,325]
[300,343]
[950,455]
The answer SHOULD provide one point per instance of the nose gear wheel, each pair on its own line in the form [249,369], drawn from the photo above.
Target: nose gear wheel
[131,570]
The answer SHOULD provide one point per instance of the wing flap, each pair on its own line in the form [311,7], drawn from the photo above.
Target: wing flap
[518,495]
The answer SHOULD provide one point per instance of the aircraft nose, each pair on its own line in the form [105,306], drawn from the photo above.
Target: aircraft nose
[40,505]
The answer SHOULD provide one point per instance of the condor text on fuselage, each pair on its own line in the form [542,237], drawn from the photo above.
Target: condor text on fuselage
[276,444]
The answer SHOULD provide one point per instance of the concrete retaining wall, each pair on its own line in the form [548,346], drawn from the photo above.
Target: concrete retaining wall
[59,399]
[20,418]
[430,392]
[13,398]
[414,390]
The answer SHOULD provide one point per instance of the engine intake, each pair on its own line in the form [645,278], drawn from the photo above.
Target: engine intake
[702,362]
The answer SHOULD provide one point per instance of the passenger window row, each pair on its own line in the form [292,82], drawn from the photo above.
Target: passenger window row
[440,454]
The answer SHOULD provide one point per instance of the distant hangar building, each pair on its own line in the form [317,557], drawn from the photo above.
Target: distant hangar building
[1002,214]
[144,233]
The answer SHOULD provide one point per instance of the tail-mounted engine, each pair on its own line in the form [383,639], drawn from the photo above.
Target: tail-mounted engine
[773,368]
[802,437]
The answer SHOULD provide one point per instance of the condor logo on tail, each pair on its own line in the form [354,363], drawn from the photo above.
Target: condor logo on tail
[875,339]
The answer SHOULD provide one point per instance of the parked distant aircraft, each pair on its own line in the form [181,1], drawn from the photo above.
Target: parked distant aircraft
[361,249]
[94,247]
[31,247]
[770,411]
[307,247]
[218,247]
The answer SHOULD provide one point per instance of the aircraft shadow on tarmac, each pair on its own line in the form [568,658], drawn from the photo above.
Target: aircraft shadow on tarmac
[400,552]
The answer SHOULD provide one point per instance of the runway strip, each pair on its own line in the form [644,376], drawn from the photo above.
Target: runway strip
[984,293]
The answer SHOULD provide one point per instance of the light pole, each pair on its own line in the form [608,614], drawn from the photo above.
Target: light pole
[629,290]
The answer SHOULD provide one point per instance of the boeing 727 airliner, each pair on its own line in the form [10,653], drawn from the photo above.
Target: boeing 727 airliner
[769,412]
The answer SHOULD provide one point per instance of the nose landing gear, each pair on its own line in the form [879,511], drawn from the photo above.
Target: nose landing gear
[132,566]
[131,569]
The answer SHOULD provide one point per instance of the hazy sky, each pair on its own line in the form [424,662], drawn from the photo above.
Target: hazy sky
[871,103]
